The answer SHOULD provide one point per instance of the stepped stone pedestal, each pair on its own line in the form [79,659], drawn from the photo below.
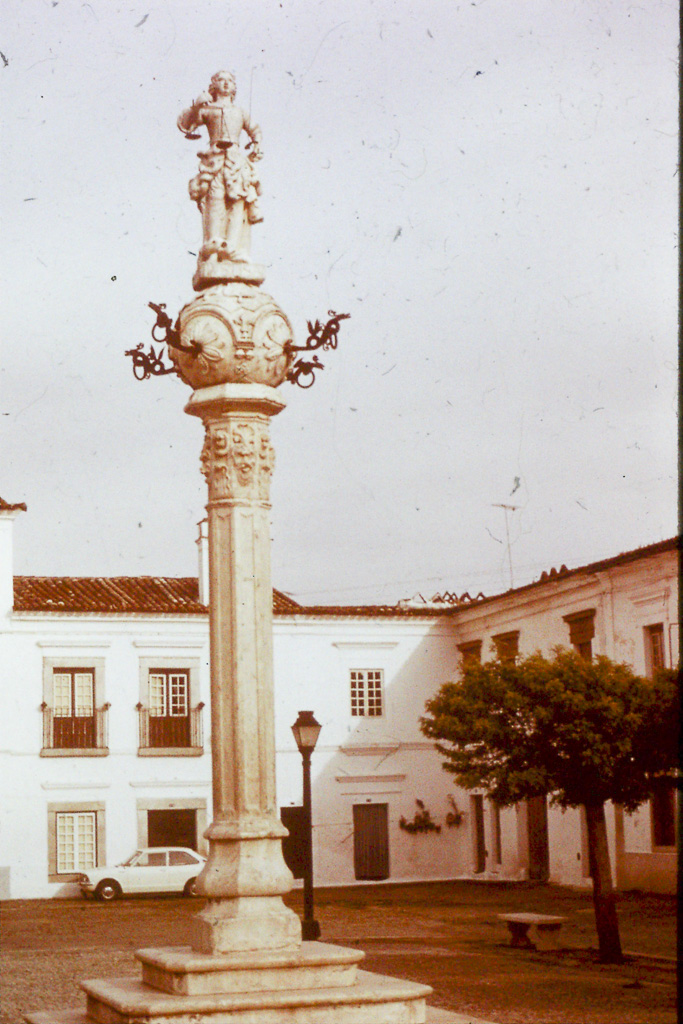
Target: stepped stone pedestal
[315,984]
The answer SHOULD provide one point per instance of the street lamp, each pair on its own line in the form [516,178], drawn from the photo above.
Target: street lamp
[306,731]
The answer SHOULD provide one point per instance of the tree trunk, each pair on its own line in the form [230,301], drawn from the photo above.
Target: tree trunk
[604,902]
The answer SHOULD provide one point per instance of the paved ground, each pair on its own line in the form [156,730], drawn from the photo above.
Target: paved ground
[446,935]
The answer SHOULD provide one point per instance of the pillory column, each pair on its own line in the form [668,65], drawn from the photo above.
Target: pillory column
[234,350]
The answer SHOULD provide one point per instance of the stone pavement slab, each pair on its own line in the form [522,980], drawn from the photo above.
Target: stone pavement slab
[437,1015]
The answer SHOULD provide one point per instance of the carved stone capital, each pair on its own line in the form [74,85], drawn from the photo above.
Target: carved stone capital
[238,459]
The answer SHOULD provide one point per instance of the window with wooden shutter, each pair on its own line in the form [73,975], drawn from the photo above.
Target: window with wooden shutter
[470,651]
[654,649]
[507,645]
[581,632]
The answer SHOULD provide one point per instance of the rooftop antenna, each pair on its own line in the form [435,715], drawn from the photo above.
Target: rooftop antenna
[506,509]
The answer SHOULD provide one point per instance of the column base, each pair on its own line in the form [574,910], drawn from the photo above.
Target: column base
[245,924]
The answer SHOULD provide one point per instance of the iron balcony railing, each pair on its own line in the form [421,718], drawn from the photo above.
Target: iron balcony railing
[75,732]
[170,730]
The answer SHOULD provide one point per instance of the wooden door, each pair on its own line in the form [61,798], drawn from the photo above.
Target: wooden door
[371,841]
[176,827]
[479,835]
[537,826]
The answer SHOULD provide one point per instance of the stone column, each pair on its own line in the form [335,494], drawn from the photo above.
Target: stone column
[245,875]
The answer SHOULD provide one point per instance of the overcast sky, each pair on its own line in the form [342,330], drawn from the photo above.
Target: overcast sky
[488,188]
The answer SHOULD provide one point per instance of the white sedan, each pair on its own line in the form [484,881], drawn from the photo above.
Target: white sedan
[155,869]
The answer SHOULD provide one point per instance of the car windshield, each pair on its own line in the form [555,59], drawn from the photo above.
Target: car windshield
[131,860]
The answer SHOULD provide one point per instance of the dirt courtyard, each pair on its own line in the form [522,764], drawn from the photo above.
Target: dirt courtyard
[444,934]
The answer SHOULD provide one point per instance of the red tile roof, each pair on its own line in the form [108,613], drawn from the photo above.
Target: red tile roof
[556,576]
[416,611]
[364,611]
[166,595]
[146,595]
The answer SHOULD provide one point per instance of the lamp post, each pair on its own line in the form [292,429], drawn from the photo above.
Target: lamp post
[306,731]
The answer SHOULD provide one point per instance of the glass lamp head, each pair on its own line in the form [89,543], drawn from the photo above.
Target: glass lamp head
[306,731]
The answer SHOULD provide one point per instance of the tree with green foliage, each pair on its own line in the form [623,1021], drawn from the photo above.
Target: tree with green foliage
[582,732]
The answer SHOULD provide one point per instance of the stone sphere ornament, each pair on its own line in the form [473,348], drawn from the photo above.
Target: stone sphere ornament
[235,334]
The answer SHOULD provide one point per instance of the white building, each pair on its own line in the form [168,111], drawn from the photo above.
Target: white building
[627,609]
[105,737]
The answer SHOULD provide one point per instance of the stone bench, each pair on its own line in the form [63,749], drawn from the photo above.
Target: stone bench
[544,928]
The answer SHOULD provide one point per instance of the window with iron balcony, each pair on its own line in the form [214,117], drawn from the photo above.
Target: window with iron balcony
[73,709]
[169,717]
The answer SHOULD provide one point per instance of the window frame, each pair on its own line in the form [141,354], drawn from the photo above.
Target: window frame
[78,831]
[74,675]
[649,632]
[170,692]
[366,697]
[54,810]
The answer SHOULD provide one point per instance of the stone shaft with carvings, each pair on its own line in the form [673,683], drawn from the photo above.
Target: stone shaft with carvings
[247,963]
[245,875]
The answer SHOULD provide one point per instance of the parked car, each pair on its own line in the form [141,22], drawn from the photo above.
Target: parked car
[154,869]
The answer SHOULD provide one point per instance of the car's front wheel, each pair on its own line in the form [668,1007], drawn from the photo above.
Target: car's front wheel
[108,890]
[191,887]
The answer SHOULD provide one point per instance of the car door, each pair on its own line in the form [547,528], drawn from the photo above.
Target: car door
[182,866]
[148,873]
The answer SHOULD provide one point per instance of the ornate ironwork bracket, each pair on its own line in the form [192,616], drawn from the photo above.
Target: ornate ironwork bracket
[151,363]
[322,336]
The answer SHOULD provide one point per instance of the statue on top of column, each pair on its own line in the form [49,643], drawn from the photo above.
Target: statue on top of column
[227,187]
